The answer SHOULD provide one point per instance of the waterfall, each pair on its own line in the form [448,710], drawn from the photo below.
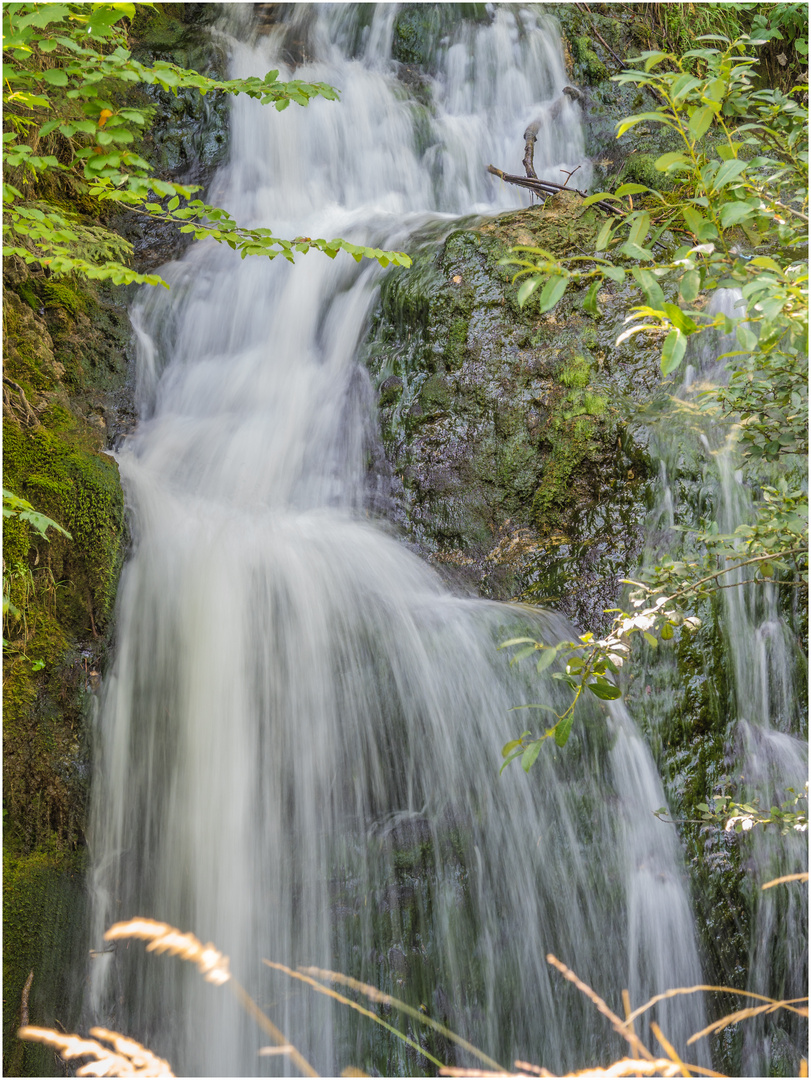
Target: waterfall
[767,753]
[299,740]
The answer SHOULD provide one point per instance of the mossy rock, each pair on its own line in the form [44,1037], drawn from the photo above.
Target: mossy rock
[497,421]
[66,350]
[641,169]
[44,911]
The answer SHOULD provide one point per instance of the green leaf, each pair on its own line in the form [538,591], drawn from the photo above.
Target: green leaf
[563,729]
[511,758]
[683,85]
[526,289]
[666,632]
[552,292]
[632,121]
[517,641]
[616,273]
[669,161]
[530,754]
[547,658]
[639,228]
[690,286]
[631,189]
[700,121]
[649,282]
[747,339]
[679,319]
[590,302]
[651,640]
[605,690]
[673,351]
[604,235]
[729,170]
[599,196]
[634,251]
[523,653]
[55,77]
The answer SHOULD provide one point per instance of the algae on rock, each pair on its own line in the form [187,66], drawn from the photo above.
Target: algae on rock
[511,466]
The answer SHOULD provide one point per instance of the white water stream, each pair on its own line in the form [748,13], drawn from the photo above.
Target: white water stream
[300,738]
[766,751]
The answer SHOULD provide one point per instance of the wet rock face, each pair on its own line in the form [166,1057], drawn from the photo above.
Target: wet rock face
[512,466]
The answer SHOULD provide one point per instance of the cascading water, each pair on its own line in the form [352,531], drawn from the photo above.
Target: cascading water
[767,754]
[299,741]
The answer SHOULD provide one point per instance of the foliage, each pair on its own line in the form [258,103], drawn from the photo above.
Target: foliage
[67,69]
[741,817]
[15,507]
[740,174]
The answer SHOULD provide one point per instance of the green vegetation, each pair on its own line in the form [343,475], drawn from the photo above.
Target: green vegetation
[70,132]
[739,179]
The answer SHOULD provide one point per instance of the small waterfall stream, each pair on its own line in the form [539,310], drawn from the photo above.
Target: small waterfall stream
[300,738]
[767,752]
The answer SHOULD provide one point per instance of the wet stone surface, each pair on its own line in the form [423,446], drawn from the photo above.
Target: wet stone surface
[514,464]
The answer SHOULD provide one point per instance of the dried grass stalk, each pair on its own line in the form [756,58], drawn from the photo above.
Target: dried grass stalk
[536,1070]
[164,938]
[745,1014]
[127,1058]
[716,989]
[618,1025]
[668,1048]
[212,965]
[376,995]
[352,1005]
[783,880]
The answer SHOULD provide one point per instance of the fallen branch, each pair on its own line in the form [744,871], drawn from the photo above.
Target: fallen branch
[549,187]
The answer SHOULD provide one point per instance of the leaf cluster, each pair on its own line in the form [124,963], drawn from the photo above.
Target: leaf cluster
[741,176]
[66,71]
[738,817]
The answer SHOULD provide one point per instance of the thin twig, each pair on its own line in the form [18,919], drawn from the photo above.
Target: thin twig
[626,1004]
[24,1001]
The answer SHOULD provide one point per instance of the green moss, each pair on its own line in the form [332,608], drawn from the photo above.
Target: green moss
[80,489]
[591,65]
[576,373]
[43,931]
[58,294]
[571,442]
[641,169]
[26,291]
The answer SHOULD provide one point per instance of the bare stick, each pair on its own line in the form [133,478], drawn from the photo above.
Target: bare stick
[24,1001]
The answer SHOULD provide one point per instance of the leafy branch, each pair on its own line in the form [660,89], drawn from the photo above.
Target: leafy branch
[724,187]
[67,70]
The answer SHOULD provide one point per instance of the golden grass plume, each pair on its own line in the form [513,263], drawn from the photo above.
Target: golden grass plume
[126,1058]
[165,938]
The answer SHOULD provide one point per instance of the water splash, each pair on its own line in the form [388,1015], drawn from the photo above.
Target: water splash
[299,741]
